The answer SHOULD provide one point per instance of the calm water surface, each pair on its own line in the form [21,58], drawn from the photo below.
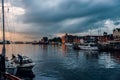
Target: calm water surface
[64,63]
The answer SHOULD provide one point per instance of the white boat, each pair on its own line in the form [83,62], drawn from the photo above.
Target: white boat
[88,46]
[11,67]
[69,44]
[27,63]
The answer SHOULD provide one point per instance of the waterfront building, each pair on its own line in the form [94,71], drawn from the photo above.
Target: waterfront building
[71,39]
[116,34]
[86,39]
[96,39]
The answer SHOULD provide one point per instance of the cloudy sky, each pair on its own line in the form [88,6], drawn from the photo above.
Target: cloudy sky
[32,19]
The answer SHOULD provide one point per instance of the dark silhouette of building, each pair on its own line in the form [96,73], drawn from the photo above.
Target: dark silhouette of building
[44,40]
[71,39]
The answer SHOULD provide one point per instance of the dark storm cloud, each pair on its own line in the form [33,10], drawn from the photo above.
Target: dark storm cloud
[49,16]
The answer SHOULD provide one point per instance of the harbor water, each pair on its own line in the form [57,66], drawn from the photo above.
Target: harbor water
[64,63]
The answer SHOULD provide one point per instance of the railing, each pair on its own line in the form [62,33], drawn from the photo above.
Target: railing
[7,76]
[11,77]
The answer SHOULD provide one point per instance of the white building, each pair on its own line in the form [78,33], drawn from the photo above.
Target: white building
[116,34]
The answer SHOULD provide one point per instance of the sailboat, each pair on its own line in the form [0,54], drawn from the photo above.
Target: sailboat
[7,68]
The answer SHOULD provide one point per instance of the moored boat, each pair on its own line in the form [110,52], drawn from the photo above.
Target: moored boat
[88,46]
[26,65]
[68,44]
[110,46]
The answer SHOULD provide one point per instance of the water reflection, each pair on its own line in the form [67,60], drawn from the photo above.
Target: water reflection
[64,49]
[116,55]
[64,63]
[91,54]
[26,75]
[93,59]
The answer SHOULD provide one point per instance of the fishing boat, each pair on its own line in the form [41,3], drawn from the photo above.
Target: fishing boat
[7,68]
[88,46]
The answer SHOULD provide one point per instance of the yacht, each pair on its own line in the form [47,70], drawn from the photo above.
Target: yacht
[88,46]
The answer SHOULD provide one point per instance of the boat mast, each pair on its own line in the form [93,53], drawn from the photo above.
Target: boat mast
[3,50]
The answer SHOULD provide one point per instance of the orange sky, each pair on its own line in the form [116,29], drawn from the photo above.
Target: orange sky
[15,36]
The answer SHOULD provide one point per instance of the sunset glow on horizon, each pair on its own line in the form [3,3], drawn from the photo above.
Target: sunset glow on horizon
[33,19]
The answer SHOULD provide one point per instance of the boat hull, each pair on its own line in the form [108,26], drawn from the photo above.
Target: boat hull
[12,71]
[26,67]
[88,48]
[68,44]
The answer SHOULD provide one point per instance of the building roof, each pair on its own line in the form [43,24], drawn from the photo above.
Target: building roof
[118,29]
